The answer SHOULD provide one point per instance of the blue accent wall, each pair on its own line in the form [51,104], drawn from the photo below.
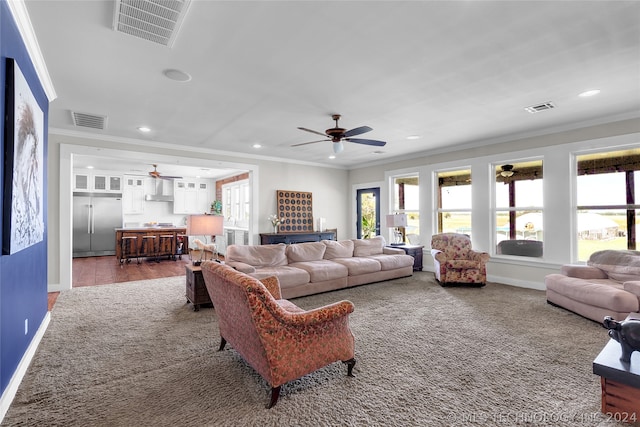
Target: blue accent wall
[23,275]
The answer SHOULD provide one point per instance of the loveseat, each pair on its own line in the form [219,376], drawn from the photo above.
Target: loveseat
[314,267]
[609,285]
[281,341]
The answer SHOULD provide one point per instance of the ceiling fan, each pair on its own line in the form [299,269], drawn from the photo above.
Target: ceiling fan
[155,174]
[337,135]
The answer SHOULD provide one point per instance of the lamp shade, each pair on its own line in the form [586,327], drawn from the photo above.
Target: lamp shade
[204,225]
[398,220]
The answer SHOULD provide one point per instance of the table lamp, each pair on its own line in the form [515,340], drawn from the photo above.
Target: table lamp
[396,221]
[205,225]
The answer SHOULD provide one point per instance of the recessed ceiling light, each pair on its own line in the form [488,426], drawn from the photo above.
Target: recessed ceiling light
[144,129]
[378,152]
[257,146]
[332,156]
[89,167]
[590,93]
[177,75]
[413,137]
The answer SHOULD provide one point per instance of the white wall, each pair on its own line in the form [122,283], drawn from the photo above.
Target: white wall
[556,150]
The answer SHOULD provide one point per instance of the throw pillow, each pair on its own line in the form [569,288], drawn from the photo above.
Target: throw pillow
[310,251]
[338,249]
[618,264]
[366,247]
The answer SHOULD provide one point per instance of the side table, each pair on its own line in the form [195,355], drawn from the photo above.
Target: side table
[197,293]
[620,382]
[415,251]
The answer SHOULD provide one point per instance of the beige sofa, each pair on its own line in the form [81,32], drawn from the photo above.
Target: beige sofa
[313,267]
[609,285]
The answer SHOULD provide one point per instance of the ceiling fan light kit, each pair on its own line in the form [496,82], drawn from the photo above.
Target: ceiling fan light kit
[338,135]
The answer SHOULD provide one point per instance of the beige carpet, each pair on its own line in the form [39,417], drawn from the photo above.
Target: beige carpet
[135,354]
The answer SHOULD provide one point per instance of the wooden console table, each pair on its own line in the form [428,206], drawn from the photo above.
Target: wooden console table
[290,238]
[620,382]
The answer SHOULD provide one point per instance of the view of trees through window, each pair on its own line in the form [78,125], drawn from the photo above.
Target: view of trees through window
[608,191]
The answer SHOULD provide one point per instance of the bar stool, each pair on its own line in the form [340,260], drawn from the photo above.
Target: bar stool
[148,247]
[128,248]
[166,246]
[182,238]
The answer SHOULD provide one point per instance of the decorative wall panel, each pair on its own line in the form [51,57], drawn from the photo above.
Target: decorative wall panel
[295,210]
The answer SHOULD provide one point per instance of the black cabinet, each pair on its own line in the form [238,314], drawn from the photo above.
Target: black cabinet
[290,238]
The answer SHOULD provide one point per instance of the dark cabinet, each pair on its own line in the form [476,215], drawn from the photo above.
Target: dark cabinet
[197,293]
[290,238]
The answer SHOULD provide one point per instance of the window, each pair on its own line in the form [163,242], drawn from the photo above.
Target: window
[608,191]
[406,199]
[454,201]
[519,208]
[236,203]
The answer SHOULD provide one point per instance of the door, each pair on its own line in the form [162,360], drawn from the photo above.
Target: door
[368,210]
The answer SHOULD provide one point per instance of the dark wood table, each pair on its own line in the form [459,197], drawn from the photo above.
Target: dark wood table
[620,381]
[197,293]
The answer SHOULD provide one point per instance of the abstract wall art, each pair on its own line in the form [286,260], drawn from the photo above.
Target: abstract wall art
[23,216]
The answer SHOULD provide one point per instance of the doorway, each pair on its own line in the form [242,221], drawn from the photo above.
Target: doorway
[368,212]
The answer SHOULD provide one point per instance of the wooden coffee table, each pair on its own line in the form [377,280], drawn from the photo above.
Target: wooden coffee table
[620,381]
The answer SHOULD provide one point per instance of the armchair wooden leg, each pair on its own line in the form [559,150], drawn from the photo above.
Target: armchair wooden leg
[275,394]
[350,364]
[222,343]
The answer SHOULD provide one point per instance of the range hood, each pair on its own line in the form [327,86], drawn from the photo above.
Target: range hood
[160,194]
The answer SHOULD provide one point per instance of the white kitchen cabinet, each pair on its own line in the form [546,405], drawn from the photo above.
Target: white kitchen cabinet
[192,196]
[133,195]
[97,182]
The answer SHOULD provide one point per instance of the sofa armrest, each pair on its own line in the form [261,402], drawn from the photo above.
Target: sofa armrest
[273,286]
[632,286]
[392,251]
[582,271]
[479,256]
[320,315]
[241,267]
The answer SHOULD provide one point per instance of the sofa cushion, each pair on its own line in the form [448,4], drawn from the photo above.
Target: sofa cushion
[392,262]
[287,276]
[359,265]
[620,265]
[258,256]
[366,247]
[338,249]
[320,271]
[310,251]
[610,296]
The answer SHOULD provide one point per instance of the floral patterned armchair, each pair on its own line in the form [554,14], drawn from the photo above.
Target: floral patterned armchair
[455,262]
[281,341]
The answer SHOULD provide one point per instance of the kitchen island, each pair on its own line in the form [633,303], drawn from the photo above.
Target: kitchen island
[150,242]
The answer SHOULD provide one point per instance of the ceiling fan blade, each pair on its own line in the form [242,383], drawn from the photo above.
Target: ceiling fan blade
[313,131]
[169,177]
[366,141]
[357,131]
[310,142]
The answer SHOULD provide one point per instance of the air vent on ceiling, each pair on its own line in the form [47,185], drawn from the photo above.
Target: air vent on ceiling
[540,107]
[155,20]
[85,120]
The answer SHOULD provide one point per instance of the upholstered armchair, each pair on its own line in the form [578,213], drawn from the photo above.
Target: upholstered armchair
[281,341]
[455,262]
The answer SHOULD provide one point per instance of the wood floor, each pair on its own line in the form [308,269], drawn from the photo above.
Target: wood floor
[103,270]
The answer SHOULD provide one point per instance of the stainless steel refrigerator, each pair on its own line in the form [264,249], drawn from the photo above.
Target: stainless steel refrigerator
[95,218]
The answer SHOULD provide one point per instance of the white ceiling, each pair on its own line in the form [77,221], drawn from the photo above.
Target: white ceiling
[455,73]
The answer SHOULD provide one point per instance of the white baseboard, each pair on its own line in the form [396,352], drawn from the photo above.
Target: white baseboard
[18,375]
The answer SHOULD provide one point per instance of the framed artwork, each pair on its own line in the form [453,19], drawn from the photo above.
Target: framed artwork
[23,219]
[295,211]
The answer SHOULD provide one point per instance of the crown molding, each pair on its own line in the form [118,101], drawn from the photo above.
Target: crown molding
[23,22]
